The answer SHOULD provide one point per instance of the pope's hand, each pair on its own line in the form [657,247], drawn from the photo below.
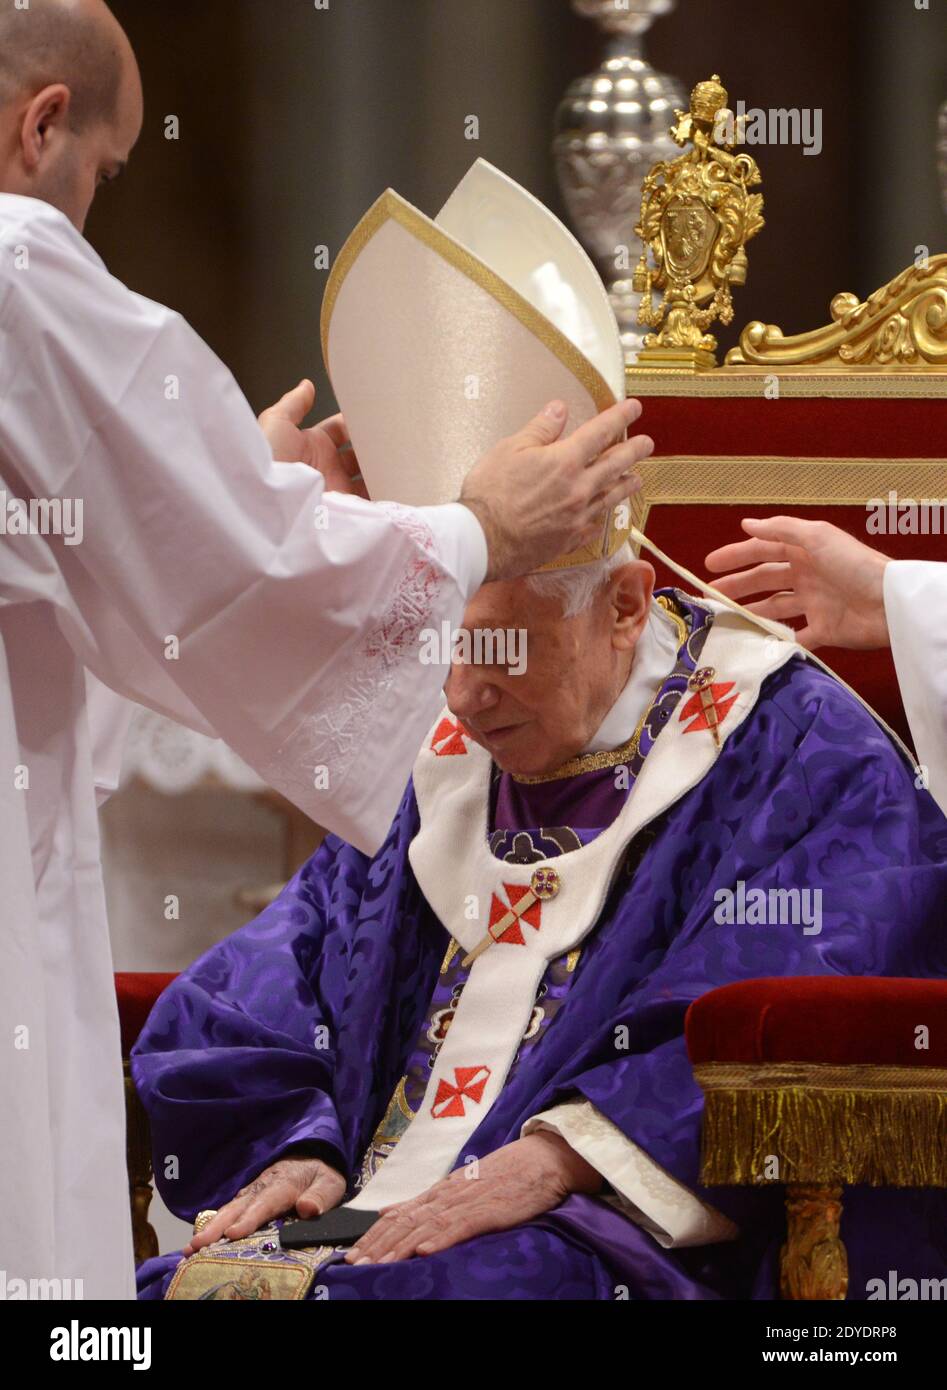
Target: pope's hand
[517,1183]
[306,1185]
[810,569]
[325,446]
[538,496]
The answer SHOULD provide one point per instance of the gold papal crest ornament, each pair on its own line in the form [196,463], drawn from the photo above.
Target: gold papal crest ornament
[697,215]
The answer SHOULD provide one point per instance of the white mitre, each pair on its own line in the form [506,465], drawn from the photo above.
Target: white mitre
[443,337]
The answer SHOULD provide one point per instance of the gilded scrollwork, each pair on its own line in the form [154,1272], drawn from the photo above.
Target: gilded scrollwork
[902,326]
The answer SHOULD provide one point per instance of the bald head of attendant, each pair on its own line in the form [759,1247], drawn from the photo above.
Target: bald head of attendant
[70,102]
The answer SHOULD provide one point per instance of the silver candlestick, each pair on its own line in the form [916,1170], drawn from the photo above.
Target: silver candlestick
[611,127]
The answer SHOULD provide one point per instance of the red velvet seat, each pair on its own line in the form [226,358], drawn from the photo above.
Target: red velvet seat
[137,996]
[833,1020]
[819,1082]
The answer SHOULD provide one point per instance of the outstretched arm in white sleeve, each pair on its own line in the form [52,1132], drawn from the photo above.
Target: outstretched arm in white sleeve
[228,590]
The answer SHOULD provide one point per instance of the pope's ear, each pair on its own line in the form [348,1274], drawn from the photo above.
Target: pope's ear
[631,588]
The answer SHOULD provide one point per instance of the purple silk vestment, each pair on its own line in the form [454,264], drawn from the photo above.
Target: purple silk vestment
[807,792]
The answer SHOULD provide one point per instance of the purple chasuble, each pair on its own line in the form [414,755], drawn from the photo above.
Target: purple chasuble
[298,1029]
[531,821]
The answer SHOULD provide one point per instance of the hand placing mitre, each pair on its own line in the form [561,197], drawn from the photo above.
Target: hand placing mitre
[538,496]
[325,446]
[306,1185]
[517,1183]
[809,569]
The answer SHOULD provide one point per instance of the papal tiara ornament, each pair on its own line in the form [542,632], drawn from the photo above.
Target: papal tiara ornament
[442,337]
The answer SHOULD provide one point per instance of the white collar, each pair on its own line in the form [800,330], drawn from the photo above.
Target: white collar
[654,660]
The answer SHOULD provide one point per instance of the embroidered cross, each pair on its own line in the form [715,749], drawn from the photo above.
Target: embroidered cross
[525,905]
[469,1084]
[708,703]
[449,739]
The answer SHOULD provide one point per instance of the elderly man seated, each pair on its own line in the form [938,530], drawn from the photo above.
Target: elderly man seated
[479,1031]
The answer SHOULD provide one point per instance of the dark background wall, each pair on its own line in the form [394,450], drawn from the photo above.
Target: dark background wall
[293,119]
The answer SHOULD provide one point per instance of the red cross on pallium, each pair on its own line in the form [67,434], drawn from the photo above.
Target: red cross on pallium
[512,936]
[712,695]
[469,1084]
[449,739]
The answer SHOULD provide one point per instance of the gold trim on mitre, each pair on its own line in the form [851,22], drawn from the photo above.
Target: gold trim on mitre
[392,205]
[617,525]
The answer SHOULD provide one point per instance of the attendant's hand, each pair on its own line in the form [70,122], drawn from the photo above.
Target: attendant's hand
[325,446]
[538,496]
[307,1185]
[818,572]
[520,1181]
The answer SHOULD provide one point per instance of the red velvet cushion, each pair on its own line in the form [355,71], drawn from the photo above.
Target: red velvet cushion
[835,1019]
[136,998]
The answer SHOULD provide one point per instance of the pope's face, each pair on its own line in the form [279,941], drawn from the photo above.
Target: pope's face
[574,669]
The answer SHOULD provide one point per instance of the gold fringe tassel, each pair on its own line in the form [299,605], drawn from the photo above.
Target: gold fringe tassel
[806,1134]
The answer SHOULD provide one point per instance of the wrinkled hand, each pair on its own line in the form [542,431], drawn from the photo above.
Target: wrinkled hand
[325,446]
[307,1185]
[538,496]
[520,1181]
[817,571]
